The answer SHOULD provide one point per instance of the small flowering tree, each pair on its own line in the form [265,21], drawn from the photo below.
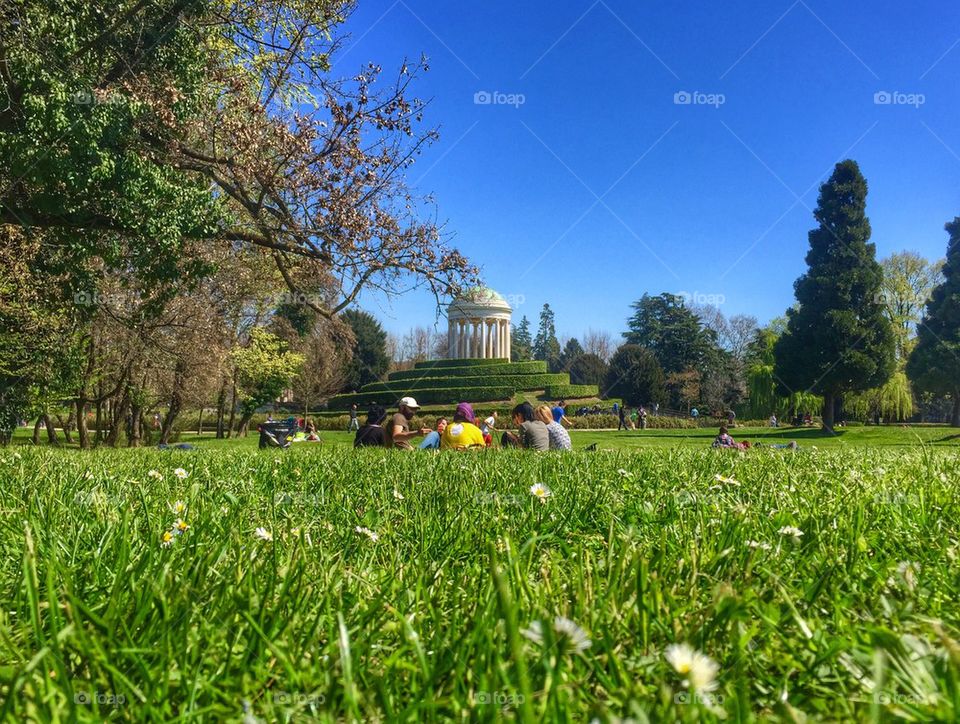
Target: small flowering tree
[263,369]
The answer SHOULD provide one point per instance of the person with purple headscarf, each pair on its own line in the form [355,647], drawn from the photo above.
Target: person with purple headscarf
[463,432]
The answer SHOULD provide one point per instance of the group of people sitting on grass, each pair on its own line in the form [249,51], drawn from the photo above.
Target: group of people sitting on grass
[542,428]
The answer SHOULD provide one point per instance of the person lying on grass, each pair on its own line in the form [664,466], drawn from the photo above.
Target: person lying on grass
[531,433]
[724,439]
[559,437]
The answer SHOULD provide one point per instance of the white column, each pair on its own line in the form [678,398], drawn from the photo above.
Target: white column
[461,340]
[477,334]
[500,345]
[483,338]
[509,338]
[450,352]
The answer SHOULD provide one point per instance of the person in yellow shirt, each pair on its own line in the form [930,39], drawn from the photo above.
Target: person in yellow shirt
[462,433]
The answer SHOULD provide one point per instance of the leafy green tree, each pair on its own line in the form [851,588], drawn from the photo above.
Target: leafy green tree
[265,367]
[370,361]
[521,343]
[908,281]
[674,333]
[546,346]
[934,364]
[588,369]
[571,351]
[838,340]
[636,376]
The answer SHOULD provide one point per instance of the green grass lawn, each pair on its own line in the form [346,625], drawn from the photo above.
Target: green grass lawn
[339,585]
[867,436]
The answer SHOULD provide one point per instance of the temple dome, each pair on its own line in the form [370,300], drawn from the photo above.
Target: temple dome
[481,297]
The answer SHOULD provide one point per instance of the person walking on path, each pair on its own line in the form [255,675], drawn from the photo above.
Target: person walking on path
[354,423]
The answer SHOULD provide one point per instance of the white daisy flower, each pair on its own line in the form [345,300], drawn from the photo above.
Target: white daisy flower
[568,634]
[623,473]
[540,491]
[180,526]
[263,534]
[166,540]
[181,473]
[792,531]
[761,546]
[698,668]
[178,507]
[729,481]
[576,636]
[155,474]
[397,494]
[372,535]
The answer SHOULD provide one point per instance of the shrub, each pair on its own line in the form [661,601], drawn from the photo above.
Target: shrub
[514,382]
[457,363]
[506,368]
[563,392]
[430,396]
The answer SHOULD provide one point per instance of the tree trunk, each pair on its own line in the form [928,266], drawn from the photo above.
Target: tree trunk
[176,403]
[200,423]
[67,426]
[955,417]
[98,423]
[233,406]
[828,400]
[51,430]
[134,439]
[36,430]
[243,424]
[83,434]
[221,406]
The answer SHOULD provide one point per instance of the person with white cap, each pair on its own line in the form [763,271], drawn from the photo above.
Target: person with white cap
[399,433]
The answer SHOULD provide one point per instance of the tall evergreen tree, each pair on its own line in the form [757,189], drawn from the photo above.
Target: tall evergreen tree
[521,343]
[838,339]
[674,333]
[934,364]
[571,351]
[635,375]
[546,346]
[370,359]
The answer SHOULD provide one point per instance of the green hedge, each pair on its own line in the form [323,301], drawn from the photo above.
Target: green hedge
[515,368]
[428,396]
[562,392]
[457,363]
[514,382]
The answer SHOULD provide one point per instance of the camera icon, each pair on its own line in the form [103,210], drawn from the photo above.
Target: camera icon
[82,98]
[482,98]
[83,298]
[681,697]
[682,98]
[882,98]
[82,697]
[483,698]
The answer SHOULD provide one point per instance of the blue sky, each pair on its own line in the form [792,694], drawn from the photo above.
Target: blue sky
[601,186]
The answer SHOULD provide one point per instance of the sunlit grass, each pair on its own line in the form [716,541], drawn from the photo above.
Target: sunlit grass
[388,586]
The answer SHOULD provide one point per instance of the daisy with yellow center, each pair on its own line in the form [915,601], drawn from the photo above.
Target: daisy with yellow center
[181,473]
[540,491]
[179,507]
[699,670]
[263,534]
[180,526]
[166,540]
